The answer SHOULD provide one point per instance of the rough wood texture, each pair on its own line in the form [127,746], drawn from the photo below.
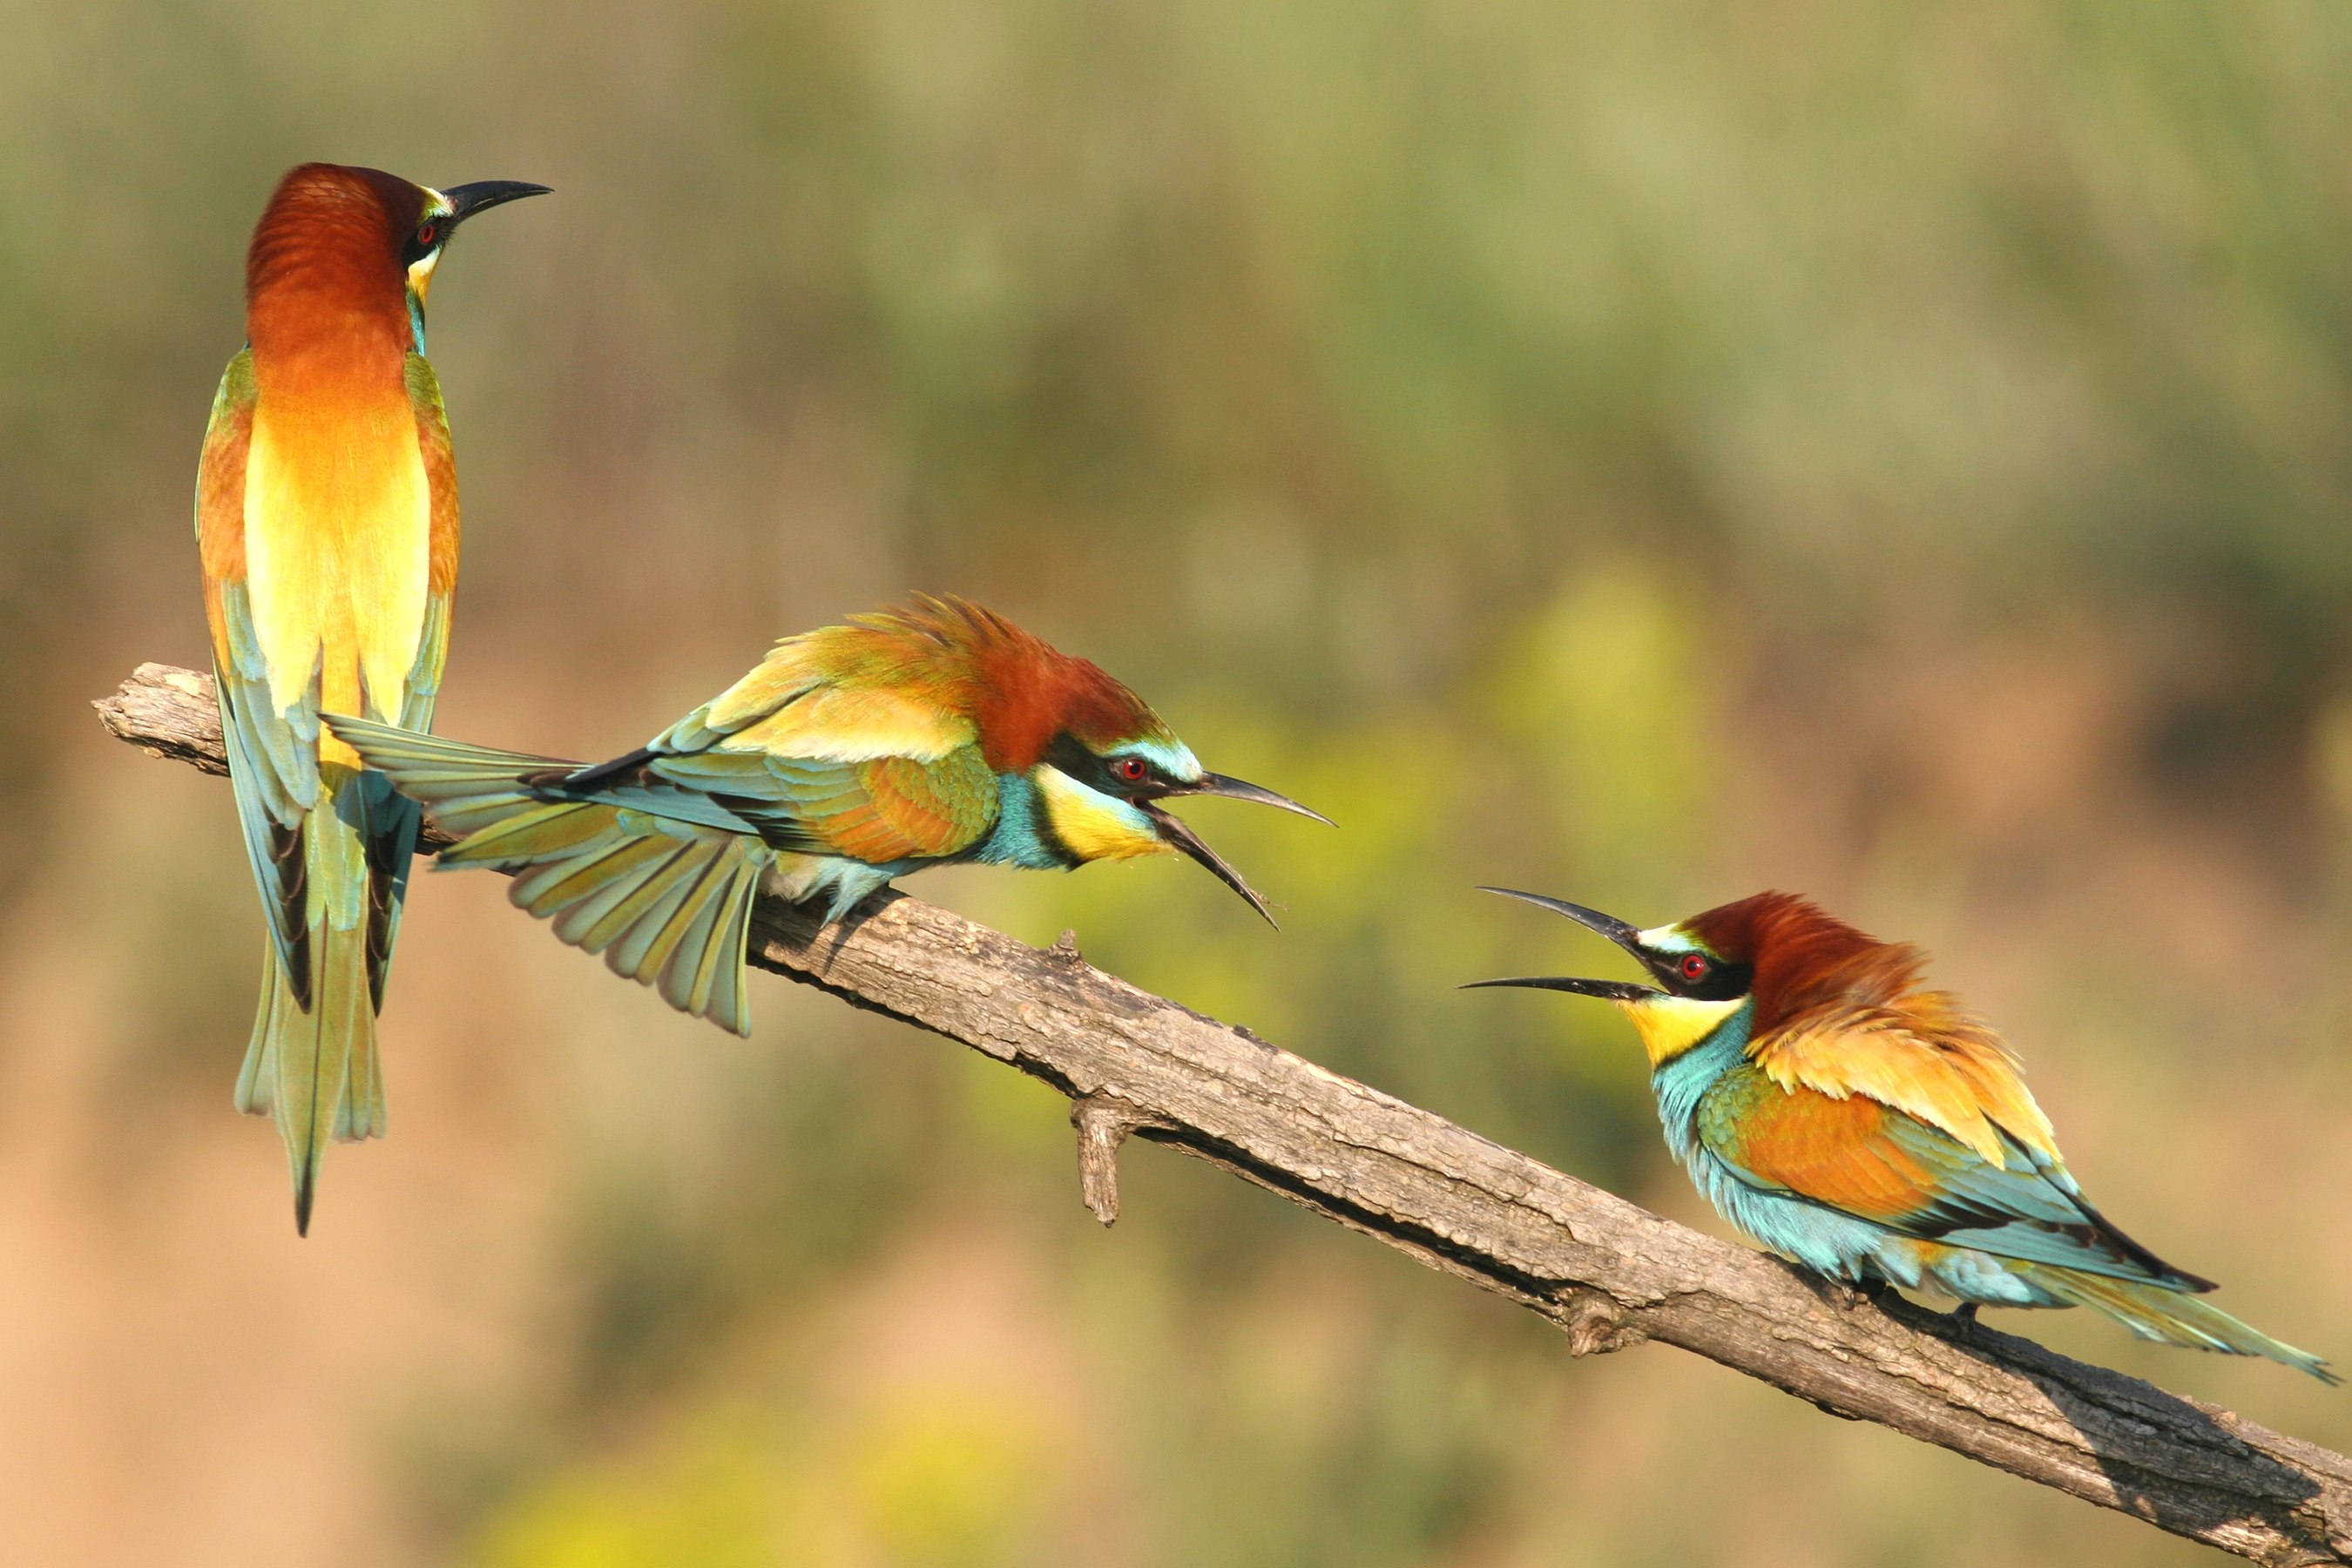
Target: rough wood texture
[1611,1275]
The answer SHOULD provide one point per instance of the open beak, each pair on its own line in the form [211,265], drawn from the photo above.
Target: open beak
[1607,990]
[1619,931]
[464,200]
[1173,829]
[1191,842]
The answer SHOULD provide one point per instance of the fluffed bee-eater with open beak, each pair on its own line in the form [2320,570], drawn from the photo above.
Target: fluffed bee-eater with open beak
[925,736]
[327,521]
[1850,1119]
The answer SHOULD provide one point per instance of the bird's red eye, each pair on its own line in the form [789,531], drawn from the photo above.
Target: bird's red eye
[1692,967]
[1133,770]
[428,234]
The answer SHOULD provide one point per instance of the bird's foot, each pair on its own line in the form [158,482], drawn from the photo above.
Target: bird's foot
[1966,1312]
[1854,1293]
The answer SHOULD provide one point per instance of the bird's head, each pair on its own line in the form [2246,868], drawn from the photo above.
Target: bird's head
[1101,792]
[1101,764]
[438,217]
[1769,957]
[333,234]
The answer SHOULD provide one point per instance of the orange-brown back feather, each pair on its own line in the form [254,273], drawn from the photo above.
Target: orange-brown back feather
[1832,1151]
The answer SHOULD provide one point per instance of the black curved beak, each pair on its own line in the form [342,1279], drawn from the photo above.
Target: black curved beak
[1607,990]
[464,200]
[1236,789]
[1171,827]
[1623,933]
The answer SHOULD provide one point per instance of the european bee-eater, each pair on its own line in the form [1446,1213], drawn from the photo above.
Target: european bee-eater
[925,736]
[1853,1121]
[327,519]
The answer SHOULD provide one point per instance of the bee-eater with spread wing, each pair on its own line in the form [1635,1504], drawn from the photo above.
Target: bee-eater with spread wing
[926,736]
[1853,1121]
[327,519]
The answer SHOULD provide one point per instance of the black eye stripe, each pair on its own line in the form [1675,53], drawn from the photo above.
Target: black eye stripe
[1714,980]
[421,243]
[1111,773]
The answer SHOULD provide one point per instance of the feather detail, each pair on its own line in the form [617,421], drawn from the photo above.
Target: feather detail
[312,1063]
[853,724]
[666,899]
[1920,1054]
[919,681]
[1831,1150]
[324,285]
[2153,1312]
[1839,1011]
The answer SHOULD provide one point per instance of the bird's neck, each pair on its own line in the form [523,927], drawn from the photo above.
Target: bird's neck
[319,320]
[1682,1079]
[1022,836]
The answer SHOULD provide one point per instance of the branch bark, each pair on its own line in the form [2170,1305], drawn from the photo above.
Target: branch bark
[1609,1274]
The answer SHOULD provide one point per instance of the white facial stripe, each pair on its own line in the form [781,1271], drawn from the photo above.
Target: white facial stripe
[1176,760]
[1666,939]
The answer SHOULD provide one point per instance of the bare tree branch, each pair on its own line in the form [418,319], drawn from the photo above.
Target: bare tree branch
[1609,1274]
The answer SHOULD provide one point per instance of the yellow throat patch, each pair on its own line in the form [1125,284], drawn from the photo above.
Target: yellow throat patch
[1669,1025]
[1090,826]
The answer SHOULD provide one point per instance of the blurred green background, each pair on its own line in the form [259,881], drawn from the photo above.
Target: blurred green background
[1645,454]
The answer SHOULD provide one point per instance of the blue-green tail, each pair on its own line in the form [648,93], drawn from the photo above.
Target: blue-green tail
[666,899]
[2155,1311]
[314,1068]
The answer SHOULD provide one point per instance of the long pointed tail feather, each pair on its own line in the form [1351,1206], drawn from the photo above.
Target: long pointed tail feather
[312,1063]
[2154,1312]
[667,901]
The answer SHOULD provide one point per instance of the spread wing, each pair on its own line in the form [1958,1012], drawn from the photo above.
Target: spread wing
[1860,1155]
[823,762]
[876,809]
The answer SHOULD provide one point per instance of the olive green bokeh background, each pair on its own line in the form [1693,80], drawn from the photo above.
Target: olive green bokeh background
[1640,453]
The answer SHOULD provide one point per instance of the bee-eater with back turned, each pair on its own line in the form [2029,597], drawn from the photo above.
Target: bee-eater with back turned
[1872,1131]
[932,735]
[327,519]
